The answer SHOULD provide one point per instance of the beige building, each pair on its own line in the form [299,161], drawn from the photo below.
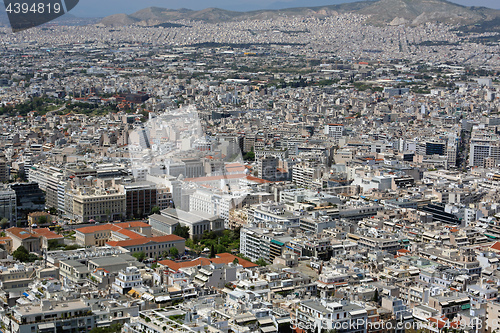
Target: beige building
[153,247]
[99,205]
[493,317]
[33,240]
[23,237]
[34,218]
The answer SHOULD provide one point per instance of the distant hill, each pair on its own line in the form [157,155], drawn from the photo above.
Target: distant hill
[380,12]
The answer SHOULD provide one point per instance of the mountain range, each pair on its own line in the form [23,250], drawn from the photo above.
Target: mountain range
[379,12]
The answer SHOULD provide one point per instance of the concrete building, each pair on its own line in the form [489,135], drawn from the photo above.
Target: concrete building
[48,178]
[303,175]
[141,197]
[341,317]
[51,316]
[127,279]
[197,222]
[334,131]
[267,167]
[8,204]
[99,205]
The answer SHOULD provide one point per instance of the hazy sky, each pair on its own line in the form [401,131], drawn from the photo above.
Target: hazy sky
[100,8]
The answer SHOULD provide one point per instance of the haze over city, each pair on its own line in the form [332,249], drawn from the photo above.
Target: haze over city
[95,8]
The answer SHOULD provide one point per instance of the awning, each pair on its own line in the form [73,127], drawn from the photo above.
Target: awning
[147,297]
[244,318]
[201,277]
[162,298]
[267,329]
[45,326]
[265,321]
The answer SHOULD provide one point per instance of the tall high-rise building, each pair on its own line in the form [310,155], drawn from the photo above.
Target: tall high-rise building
[334,131]
[8,204]
[266,167]
[482,148]
[29,198]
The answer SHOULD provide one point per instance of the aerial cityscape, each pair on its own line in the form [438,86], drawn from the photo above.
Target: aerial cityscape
[329,169]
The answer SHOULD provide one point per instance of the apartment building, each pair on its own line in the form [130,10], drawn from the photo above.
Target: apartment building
[334,131]
[483,147]
[373,244]
[270,215]
[48,178]
[339,316]
[127,279]
[303,175]
[51,316]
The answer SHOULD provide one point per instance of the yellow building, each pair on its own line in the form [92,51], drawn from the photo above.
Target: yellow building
[34,218]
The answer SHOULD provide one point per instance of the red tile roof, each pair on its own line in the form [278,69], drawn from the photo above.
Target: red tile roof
[99,227]
[21,233]
[130,234]
[258,180]
[133,224]
[495,246]
[113,227]
[47,233]
[221,258]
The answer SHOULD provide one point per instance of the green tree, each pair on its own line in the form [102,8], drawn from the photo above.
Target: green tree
[174,252]
[212,251]
[182,231]
[139,256]
[155,210]
[249,156]
[261,262]
[4,222]
[54,244]
[115,328]
[42,220]
[23,255]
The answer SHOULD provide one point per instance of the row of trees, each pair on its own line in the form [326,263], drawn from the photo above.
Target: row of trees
[215,242]
[172,253]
